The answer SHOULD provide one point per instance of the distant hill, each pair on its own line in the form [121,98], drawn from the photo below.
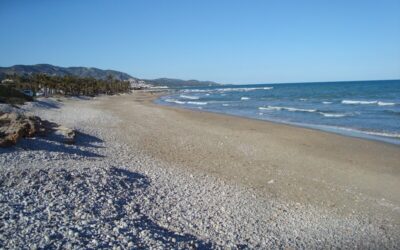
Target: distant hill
[95,73]
[62,71]
[180,83]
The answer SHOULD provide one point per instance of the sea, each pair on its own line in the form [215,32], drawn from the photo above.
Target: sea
[367,109]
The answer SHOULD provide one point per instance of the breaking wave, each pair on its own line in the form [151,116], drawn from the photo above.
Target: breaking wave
[380,103]
[197,103]
[225,90]
[287,109]
[190,97]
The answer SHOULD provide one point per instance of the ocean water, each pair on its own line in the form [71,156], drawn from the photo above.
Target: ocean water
[368,109]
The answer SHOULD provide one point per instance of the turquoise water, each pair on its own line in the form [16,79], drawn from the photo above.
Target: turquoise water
[369,109]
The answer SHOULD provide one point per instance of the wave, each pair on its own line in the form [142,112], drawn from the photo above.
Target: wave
[325,114]
[190,97]
[159,87]
[334,115]
[384,134]
[287,109]
[353,102]
[386,103]
[326,102]
[175,101]
[242,89]
[377,133]
[380,103]
[182,102]
[244,98]
[226,89]
[225,104]
[197,103]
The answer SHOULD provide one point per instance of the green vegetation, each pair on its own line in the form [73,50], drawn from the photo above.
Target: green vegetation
[13,96]
[66,85]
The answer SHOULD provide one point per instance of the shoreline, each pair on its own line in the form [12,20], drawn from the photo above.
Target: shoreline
[347,132]
[342,139]
[217,180]
[312,147]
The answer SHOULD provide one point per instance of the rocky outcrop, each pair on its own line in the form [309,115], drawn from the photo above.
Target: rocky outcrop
[14,126]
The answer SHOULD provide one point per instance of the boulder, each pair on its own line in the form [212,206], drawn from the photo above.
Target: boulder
[14,126]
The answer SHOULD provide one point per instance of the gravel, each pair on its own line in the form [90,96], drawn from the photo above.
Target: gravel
[101,193]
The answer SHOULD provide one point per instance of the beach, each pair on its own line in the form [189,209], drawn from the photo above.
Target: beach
[205,181]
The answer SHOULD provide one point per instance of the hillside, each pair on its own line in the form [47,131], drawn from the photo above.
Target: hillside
[63,71]
[96,73]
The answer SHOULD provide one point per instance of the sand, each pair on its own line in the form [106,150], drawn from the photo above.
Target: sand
[297,164]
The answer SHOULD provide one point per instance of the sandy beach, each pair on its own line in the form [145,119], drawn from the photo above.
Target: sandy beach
[212,181]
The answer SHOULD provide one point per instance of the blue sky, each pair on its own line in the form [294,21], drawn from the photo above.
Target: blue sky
[225,41]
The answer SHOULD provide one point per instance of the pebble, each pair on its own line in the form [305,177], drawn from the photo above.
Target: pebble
[127,198]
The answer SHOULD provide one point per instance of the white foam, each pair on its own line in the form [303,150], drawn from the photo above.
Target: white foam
[299,110]
[244,98]
[175,101]
[303,99]
[383,134]
[353,102]
[393,135]
[386,103]
[287,108]
[228,89]
[270,108]
[337,115]
[243,89]
[326,102]
[159,87]
[197,103]
[190,97]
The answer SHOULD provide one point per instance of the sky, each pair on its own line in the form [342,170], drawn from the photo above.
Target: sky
[224,41]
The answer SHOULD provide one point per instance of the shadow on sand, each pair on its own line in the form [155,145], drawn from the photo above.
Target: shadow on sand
[121,188]
[84,143]
[47,104]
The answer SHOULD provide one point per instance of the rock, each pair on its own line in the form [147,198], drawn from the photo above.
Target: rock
[14,126]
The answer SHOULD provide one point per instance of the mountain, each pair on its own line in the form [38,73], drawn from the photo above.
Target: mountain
[95,73]
[62,71]
[180,83]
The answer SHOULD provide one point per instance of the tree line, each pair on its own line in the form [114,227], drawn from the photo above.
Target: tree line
[67,85]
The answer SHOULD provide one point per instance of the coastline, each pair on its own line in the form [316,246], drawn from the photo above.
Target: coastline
[228,181]
[330,150]
[344,131]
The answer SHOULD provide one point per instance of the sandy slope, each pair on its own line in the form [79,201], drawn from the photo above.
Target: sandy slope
[298,164]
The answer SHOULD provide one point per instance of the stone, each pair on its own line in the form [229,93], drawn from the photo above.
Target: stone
[14,126]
